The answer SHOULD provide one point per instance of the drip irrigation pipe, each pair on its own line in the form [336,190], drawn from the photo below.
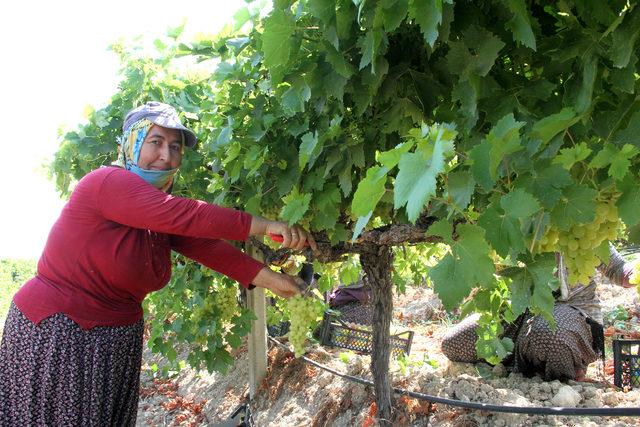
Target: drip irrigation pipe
[531,410]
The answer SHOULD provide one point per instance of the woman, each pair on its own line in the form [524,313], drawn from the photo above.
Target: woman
[72,343]
[563,353]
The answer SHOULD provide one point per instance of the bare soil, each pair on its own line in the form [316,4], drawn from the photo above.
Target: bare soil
[298,394]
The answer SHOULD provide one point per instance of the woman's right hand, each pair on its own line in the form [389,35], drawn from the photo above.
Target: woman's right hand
[283,285]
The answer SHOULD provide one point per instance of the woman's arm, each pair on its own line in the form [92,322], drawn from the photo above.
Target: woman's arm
[225,258]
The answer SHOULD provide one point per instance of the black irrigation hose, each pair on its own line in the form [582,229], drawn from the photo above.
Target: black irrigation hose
[534,410]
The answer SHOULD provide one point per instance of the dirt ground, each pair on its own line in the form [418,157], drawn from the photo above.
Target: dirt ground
[298,394]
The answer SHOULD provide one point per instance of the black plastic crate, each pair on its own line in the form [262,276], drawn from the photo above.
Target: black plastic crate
[337,334]
[626,363]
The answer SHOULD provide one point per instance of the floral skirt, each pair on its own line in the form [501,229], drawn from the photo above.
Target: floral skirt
[56,373]
[553,354]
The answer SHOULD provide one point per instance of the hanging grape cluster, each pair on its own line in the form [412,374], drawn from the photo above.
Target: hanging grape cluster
[577,245]
[303,312]
[225,300]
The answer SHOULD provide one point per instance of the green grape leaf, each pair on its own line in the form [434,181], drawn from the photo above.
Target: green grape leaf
[502,231]
[480,159]
[394,12]
[603,157]
[428,15]
[369,192]
[308,148]
[624,39]
[339,62]
[295,206]
[629,200]
[504,139]
[533,283]
[486,46]
[442,228]
[294,99]
[327,207]
[279,27]
[630,134]
[519,204]
[389,159]
[416,179]
[585,94]
[621,162]
[325,11]
[520,24]
[360,225]
[577,205]
[467,265]
[460,187]
[545,183]
[570,156]
[550,126]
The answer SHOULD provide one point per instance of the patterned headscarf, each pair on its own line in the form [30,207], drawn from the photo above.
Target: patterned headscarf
[129,154]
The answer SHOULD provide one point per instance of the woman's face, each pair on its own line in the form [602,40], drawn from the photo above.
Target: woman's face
[161,149]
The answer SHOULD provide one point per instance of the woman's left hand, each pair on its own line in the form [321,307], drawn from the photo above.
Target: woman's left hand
[294,237]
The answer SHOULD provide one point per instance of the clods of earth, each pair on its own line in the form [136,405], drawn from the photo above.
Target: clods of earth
[296,393]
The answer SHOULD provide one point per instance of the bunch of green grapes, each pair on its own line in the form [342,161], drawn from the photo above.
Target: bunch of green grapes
[271,212]
[227,303]
[303,312]
[577,244]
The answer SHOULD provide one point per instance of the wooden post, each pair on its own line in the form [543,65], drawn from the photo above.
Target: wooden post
[256,302]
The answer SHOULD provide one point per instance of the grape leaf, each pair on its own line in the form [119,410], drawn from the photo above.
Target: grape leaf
[577,205]
[545,183]
[504,139]
[550,126]
[519,204]
[325,11]
[394,12]
[533,283]
[338,62]
[467,265]
[369,191]
[520,24]
[624,39]
[570,156]
[416,179]
[389,159]
[480,159]
[326,203]
[279,27]
[621,161]
[460,187]
[502,231]
[629,200]
[360,225]
[428,15]
[630,134]
[295,206]
[307,148]
[442,228]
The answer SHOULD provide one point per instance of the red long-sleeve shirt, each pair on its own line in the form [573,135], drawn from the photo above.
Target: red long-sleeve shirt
[111,246]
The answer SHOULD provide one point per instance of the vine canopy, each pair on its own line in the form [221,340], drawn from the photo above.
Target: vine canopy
[501,121]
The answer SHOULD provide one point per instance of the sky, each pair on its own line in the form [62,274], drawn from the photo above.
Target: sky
[56,62]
